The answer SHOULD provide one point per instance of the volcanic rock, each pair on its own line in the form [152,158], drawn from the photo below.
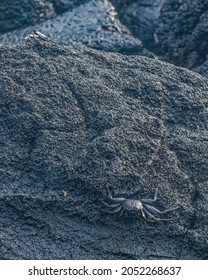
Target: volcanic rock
[93,24]
[76,120]
[183,32]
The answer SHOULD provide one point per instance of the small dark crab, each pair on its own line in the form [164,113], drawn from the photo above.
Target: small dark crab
[133,205]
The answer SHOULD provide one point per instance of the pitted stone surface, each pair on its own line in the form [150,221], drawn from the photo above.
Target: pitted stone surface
[93,24]
[73,120]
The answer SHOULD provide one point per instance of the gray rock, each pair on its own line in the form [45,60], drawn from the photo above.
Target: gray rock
[202,69]
[21,13]
[183,32]
[72,121]
[93,24]
[142,18]
[61,6]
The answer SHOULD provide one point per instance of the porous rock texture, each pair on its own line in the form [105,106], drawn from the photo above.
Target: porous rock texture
[93,24]
[202,69]
[21,13]
[142,18]
[183,32]
[175,31]
[61,6]
[74,120]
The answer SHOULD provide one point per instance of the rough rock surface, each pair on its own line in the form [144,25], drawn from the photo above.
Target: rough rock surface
[174,31]
[142,18]
[183,32]
[19,13]
[61,6]
[202,69]
[72,121]
[93,24]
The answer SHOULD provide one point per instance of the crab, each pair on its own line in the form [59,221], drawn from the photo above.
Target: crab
[38,35]
[135,206]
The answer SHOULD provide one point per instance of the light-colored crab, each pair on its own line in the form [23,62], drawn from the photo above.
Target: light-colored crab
[133,205]
[38,35]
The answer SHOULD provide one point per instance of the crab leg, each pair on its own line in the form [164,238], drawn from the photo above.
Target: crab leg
[149,200]
[117,199]
[153,217]
[114,210]
[121,213]
[153,210]
[143,214]
[111,205]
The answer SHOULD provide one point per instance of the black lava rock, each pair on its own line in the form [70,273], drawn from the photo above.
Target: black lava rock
[93,24]
[183,32]
[61,6]
[142,18]
[74,120]
[21,13]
